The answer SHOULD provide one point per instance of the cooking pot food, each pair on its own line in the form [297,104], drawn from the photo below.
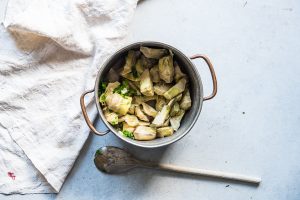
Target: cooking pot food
[184,80]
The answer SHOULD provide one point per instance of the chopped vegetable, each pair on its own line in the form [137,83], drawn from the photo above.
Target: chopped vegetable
[131,109]
[153,53]
[111,117]
[178,72]
[124,89]
[131,120]
[166,68]
[126,127]
[102,87]
[118,103]
[175,121]
[128,134]
[147,62]
[164,132]
[175,110]
[161,88]
[154,74]
[144,133]
[141,123]
[139,113]
[166,123]
[146,85]
[130,61]
[160,102]
[149,110]
[161,116]
[176,89]
[139,67]
[140,99]
[186,101]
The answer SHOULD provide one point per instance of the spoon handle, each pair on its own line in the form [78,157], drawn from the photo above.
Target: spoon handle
[209,173]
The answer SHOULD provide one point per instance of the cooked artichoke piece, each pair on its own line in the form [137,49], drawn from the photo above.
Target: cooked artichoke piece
[186,101]
[146,86]
[178,73]
[144,133]
[112,75]
[131,120]
[142,123]
[176,89]
[140,99]
[139,66]
[149,110]
[121,119]
[131,77]
[134,87]
[160,102]
[166,123]
[161,88]
[154,74]
[118,103]
[164,132]
[161,116]
[175,110]
[148,62]
[166,68]
[111,86]
[139,113]
[153,53]
[111,117]
[131,109]
[126,127]
[175,121]
[130,61]
[178,97]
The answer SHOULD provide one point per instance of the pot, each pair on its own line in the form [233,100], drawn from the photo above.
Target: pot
[196,91]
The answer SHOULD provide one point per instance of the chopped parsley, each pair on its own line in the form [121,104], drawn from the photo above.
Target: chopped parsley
[98,152]
[102,98]
[124,89]
[102,87]
[128,134]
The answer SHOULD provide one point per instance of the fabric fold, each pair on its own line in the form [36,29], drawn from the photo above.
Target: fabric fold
[53,50]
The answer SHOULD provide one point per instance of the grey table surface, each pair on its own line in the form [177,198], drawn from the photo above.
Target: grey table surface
[251,127]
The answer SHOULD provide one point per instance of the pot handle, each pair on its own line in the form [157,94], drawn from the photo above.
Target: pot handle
[212,72]
[86,117]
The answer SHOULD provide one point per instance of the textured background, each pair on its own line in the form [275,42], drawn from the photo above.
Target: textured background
[251,127]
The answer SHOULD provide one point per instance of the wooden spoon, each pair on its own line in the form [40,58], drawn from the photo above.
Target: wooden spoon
[114,160]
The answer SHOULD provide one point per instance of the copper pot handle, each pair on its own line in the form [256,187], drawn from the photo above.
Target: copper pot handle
[86,117]
[212,72]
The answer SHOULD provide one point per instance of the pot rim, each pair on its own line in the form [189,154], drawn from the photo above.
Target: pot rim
[112,129]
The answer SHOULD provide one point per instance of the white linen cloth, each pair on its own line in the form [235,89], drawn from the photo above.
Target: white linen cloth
[50,52]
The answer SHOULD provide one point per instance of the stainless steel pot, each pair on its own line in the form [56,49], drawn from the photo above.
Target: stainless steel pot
[196,91]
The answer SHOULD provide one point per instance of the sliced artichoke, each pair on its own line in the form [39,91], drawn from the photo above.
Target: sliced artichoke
[130,61]
[144,133]
[118,103]
[139,113]
[148,62]
[164,132]
[131,109]
[146,86]
[131,120]
[175,121]
[111,117]
[161,88]
[176,89]
[111,86]
[153,53]
[131,77]
[175,110]
[139,67]
[154,74]
[112,75]
[149,110]
[142,123]
[160,102]
[178,73]
[186,101]
[140,99]
[166,123]
[178,97]
[161,116]
[166,68]
[134,87]
[126,127]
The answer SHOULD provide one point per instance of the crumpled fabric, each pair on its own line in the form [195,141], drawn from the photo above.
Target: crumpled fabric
[50,52]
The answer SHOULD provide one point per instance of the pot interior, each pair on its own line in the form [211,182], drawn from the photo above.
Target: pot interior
[117,61]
